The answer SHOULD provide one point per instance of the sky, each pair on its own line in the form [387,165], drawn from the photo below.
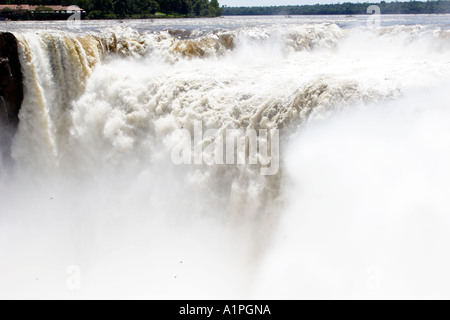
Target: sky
[261,3]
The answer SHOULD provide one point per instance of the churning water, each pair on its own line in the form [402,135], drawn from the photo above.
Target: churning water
[92,205]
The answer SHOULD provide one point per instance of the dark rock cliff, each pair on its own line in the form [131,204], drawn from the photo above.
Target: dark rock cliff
[11,93]
[11,90]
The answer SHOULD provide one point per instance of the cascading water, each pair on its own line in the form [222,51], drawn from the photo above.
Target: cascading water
[93,184]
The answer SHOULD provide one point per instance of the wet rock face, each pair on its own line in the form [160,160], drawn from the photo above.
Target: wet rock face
[11,95]
[11,90]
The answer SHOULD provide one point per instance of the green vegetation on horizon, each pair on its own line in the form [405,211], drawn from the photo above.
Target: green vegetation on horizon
[410,7]
[113,9]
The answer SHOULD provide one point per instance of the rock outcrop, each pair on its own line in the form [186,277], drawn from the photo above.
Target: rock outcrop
[11,87]
[11,94]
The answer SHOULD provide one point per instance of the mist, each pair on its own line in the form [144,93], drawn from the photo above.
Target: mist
[368,215]
[92,205]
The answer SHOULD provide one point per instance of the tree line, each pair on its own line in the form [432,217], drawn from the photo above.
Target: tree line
[114,9]
[411,7]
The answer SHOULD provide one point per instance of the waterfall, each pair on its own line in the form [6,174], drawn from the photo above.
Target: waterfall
[94,183]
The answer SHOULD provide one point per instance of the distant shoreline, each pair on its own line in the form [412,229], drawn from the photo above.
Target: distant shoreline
[439,7]
[63,18]
[405,7]
[99,10]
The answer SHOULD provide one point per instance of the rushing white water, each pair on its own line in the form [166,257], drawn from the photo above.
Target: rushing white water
[358,208]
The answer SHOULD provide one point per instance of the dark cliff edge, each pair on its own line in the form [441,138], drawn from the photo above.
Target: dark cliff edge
[11,90]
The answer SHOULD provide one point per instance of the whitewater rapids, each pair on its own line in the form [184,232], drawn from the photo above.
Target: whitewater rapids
[358,209]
